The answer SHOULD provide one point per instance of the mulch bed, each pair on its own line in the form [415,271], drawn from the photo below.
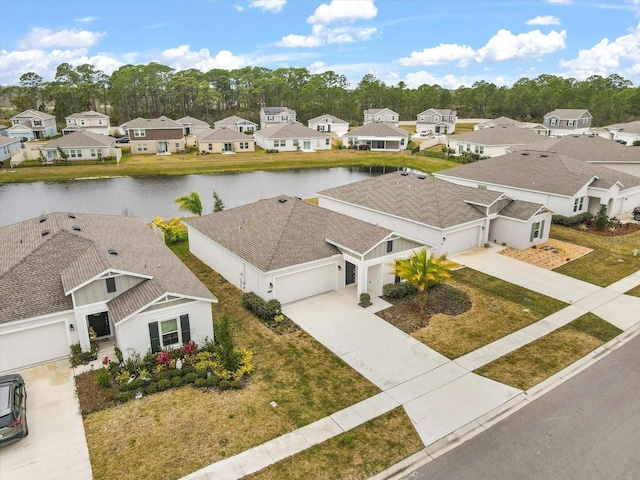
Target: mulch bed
[91,397]
[282,328]
[443,298]
[622,229]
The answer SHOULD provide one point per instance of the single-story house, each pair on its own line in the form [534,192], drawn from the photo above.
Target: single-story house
[288,137]
[240,124]
[162,136]
[66,274]
[383,115]
[492,141]
[377,136]
[329,123]
[81,145]
[567,121]
[224,140]
[192,125]
[288,249]
[565,185]
[499,122]
[8,147]
[628,132]
[270,116]
[450,217]
[436,120]
[33,125]
[94,122]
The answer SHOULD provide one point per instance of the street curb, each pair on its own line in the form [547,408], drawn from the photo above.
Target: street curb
[482,423]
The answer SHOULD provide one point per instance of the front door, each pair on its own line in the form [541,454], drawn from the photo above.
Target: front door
[228,147]
[100,324]
[306,145]
[162,147]
[350,273]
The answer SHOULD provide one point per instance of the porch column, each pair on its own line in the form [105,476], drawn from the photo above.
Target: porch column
[362,279]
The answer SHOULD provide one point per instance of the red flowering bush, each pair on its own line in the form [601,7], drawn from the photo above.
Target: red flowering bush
[164,358]
[189,348]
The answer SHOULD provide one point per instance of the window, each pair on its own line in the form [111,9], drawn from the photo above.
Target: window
[73,153]
[111,285]
[468,147]
[295,143]
[537,230]
[72,121]
[389,246]
[94,152]
[169,332]
[178,145]
[244,145]
[99,121]
[211,147]
[81,121]
[578,204]
[37,123]
[328,142]
[571,123]
[482,187]
[139,132]
[436,118]
[422,118]
[142,147]
[279,143]
[402,142]
[553,121]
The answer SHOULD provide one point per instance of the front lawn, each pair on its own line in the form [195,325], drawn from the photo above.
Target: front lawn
[611,259]
[538,360]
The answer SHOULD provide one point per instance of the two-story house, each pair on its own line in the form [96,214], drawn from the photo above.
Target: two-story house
[436,120]
[33,125]
[381,115]
[89,121]
[567,121]
[275,115]
[161,136]
[239,124]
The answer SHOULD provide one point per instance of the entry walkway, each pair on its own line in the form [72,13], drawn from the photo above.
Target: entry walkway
[443,399]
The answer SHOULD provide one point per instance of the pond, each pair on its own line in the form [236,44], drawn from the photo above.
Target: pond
[150,197]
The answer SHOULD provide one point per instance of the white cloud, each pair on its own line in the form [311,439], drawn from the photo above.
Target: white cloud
[566,2]
[344,10]
[46,38]
[506,46]
[296,41]
[273,6]
[443,53]
[543,20]
[86,19]
[321,35]
[238,8]
[182,57]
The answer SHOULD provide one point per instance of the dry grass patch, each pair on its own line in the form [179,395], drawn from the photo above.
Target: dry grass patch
[140,439]
[537,361]
[498,309]
[634,291]
[358,453]
[602,266]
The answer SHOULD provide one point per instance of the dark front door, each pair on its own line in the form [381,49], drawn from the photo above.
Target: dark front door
[350,273]
[100,324]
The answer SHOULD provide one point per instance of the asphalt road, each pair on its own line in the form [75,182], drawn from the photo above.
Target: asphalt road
[586,428]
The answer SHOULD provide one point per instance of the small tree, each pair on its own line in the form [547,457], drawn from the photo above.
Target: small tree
[225,349]
[601,219]
[423,271]
[190,203]
[218,204]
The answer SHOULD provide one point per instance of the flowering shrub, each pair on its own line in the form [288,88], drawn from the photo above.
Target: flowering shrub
[188,348]
[164,358]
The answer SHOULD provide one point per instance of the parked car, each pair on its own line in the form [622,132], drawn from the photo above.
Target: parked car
[636,214]
[13,409]
[124,139]
[622,142]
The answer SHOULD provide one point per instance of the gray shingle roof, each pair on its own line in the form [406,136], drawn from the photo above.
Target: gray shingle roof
[88,113]
[327,116]
[568,113]
[160,122]
[290,130]
[522,210]
[36,270]
[34,113]
[79,139]
[541,171]
[277,110]
[271,234]
[629,127]
[192,121]
[232,120]
[222,135]
[9,140]
[503,121]
[501,135]
[440,111]
[420,198]
[377,129]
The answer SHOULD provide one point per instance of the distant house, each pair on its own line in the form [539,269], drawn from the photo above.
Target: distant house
[492,141]
[291,137]
[89,121]
[565,185]
[3,131]
[627,132]
[436,120]
[224,140]
[329,123]
[192,125]
[566,121]
[67,273]
[239,124]
[8,146]
[33,125]
[377,136]
[81,145]
[500,122]
[381,115]
[276,115]
[288,249]
[161,136]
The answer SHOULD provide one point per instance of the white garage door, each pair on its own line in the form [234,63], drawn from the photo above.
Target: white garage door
[460,241]
[35,345]
[296,286]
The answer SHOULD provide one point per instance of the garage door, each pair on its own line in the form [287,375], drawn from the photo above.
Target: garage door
[35,345]
[460,241]
[296,286]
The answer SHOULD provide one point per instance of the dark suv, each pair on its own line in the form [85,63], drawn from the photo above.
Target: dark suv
[636,214]
[13,409]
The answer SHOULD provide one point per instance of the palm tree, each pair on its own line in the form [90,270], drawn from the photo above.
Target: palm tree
[423,271]
[190,203]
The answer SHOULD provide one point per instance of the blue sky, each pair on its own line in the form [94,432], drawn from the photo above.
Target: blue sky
[445,42]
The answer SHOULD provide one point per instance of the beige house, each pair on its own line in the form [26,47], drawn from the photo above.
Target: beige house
[381,115]
[224,140]
[377,136]
[436,120]
[81,145]
[89,121]
[33,125]
[276,115]
[161,136]
[192,125]
[492,141]
[289,137]
[239,124]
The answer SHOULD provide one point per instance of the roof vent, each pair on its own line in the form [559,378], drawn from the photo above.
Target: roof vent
[576,136]
[112,251]
[42,219]
[525,153]
[282,200]
[76,228]
[422,177]
[45,233]
[591,135]
[71,215]
[544,155]
[404,174]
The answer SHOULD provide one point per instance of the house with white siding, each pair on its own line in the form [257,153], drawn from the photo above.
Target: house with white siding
[377,136]
[289,137]
[33,125]
[492,141]
[90,121]
[270,116]
[567,121]
[241,125]
[80,145]
[8,147]
[329,123]
[436,120]
[383,115]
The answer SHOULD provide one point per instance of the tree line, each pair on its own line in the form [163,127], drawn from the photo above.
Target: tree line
[152,90]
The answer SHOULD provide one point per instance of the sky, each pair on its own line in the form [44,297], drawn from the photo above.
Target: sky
[447,42]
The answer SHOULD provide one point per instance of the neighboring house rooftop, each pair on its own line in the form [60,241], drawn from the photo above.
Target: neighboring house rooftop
[500,135]
[34,113]
[160,122]
[440,111]
[327,116]
[421,198]
[522,210]
[542,172]
[222,134]
[88,113]
[39,270]
[568,113]
[232,120]
[290,130]
[500,121]
[277,110]
[629,127]
[377,129]
[284,231]
[192,121]
[8,141]
[80,139]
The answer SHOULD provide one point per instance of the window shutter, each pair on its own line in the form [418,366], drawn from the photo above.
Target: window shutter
[184,326]
[541,229]
[533,231]
[154,336]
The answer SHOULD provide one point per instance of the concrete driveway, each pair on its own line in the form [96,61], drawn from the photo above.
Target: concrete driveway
[56,447]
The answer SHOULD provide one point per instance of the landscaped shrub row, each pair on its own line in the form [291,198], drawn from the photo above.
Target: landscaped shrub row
[398,290]
[573,220]
[267,311]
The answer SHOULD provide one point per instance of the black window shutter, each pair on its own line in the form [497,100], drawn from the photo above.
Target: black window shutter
[111,284]
[184,326]
[154,336]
